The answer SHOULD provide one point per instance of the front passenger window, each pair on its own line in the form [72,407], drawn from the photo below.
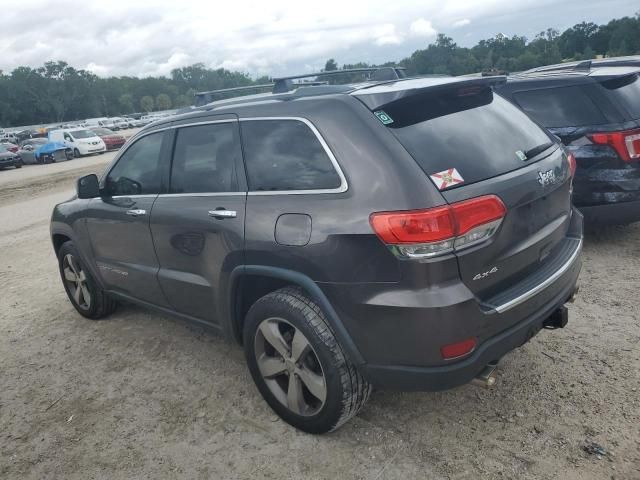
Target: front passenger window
[138,170]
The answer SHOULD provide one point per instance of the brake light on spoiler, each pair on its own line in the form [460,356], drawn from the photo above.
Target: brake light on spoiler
[626,143]
[439,230]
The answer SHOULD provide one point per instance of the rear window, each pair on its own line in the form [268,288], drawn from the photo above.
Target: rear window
[560,107]
[481,135]
[626,90]
[285,155]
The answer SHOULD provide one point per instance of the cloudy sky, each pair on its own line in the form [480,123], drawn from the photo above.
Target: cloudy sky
[125,37]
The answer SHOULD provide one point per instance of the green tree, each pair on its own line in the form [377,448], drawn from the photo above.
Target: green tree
[330,65]
[146,103]
[126,103]
[163,102]
[182,101]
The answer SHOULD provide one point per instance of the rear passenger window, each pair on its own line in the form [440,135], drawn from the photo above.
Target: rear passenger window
[285,155]
[205,159]
[560,107]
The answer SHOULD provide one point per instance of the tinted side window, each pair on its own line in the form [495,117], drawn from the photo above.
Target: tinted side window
[285,155]
[560,107]
[205,159]
[138,170]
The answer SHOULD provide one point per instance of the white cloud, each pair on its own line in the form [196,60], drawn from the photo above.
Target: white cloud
[151,37]
[422,28]
[387,35]
[461,23]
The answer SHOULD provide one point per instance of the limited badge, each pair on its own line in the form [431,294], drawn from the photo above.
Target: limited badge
[383,117]
[447,178]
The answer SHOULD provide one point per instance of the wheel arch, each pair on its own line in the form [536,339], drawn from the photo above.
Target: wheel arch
[243,293]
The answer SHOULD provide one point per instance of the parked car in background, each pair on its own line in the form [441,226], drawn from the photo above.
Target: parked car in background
[9,159]
[12,147]
[112,141]
[596,113]
[82,142]
[42,150]
[123,123]
[402,235]
[95,122]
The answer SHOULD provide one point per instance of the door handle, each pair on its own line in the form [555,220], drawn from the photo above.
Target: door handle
[136,212]
[220,214]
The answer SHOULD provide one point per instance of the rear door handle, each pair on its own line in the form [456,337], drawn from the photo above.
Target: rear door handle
[220,214]
[136,212]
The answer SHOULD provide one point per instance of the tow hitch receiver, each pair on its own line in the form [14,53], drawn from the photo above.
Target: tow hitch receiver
[557,319]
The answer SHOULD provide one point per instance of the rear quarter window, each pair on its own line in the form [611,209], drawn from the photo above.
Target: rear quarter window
[286,155]
[560,107]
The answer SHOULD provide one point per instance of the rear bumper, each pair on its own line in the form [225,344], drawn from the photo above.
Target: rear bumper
[612,213]
[408,378]
[400,331]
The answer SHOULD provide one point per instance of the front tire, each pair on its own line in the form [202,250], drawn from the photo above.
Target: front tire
[298,365]
[76,153]
[83,291]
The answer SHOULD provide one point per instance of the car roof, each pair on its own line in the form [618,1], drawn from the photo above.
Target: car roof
[631,60]
[371,93]
[573,76]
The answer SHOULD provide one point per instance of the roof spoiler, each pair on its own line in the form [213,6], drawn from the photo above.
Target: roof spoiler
[375,101]
[379,74]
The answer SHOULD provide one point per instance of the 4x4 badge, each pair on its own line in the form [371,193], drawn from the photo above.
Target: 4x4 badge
[446,178]
[547,178]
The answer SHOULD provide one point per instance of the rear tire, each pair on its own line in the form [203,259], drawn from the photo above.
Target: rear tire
[83,291]
[327,389]
[19,164]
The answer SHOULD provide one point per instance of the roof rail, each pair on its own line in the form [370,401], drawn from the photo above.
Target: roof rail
[284,84]
[202,98]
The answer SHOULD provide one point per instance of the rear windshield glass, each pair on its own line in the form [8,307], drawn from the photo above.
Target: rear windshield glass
[480,134]
[626,91]
[560,107]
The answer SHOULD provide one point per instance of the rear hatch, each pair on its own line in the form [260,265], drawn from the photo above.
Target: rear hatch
[495,149]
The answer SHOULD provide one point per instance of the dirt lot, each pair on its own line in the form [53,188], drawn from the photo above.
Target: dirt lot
[144,396]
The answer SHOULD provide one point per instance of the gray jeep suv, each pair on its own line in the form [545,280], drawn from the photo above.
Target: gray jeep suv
[401,234]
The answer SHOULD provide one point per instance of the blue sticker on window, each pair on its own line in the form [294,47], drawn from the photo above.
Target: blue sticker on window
[383,117]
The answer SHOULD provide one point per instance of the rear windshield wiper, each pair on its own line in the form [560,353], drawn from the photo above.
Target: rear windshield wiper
[532,152]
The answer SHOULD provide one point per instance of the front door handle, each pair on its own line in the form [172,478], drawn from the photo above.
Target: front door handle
[136,212]
[220,214]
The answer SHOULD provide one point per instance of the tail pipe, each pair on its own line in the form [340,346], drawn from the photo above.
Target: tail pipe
[487,377]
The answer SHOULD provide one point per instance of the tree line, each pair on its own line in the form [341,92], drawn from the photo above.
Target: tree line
[58,92]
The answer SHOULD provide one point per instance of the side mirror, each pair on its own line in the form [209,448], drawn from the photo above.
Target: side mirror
[88,186]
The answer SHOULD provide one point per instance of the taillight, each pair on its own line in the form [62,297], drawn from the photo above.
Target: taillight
[439,230]
[572,164]
[625,143]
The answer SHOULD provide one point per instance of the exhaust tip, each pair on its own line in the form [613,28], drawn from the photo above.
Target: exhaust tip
[487,377]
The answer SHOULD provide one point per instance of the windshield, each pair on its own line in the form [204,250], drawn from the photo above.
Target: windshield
[82,134]
[478,133]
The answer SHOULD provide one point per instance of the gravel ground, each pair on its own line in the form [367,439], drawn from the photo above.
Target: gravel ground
[141,395]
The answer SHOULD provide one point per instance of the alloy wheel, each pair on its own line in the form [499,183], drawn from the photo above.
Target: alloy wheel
[76,281]
[290,366]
